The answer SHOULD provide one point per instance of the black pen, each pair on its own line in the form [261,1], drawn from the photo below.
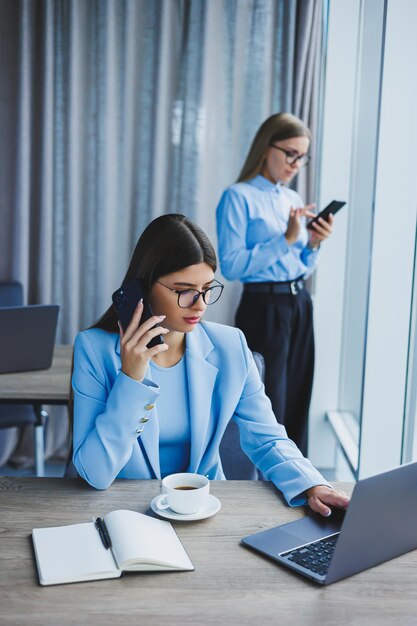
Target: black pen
[103,532]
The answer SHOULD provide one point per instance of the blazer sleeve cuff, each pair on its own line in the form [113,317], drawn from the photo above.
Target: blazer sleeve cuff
[295,478]
[128,402]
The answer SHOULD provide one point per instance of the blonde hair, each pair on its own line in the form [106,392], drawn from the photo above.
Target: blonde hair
[277,127]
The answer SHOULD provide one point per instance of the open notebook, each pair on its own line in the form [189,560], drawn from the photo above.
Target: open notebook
[66,554]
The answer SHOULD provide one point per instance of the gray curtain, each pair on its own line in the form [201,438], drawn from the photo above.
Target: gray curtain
[115,111]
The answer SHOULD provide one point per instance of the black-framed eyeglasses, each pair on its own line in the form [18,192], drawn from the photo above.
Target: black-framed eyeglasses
[292,157]
[188,297]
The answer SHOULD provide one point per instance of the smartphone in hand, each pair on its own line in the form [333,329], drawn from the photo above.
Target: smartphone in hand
[125,301]
[333,208]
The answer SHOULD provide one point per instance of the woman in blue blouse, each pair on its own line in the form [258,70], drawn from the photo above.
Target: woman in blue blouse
[264,242]
[146,412]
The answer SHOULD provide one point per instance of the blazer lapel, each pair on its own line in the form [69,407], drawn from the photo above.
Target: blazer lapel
[150,436]
[201,379]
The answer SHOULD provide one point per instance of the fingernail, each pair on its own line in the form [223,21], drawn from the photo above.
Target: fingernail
[328,513]
[140,301]
[161,317]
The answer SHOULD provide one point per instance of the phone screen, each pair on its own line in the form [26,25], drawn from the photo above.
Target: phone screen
[125,301]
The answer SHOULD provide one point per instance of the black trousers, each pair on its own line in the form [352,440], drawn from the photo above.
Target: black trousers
[280,327]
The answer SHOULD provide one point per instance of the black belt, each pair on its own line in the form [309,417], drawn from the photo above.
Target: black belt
[292,287]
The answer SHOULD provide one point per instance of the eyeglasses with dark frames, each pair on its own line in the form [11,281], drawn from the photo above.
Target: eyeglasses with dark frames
[292,157]
[188,297]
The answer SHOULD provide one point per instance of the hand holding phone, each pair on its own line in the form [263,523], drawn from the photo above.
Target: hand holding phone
[332,208]
[125,301]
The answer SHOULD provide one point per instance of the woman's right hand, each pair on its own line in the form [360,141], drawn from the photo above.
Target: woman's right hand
[294,222]
[134,354]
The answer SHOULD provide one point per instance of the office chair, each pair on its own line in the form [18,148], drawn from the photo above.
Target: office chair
[236,464]
[19,415]
[70,470]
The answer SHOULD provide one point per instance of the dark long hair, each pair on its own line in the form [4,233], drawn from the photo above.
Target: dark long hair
[277,127]
[169,243]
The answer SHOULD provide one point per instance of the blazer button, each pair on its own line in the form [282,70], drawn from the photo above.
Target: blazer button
[144,420]
[149,407]
[139,430]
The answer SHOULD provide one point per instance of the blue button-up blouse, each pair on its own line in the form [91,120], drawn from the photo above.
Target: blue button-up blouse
[252,219]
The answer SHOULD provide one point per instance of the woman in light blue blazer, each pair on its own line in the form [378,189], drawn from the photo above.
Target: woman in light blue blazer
[144,412]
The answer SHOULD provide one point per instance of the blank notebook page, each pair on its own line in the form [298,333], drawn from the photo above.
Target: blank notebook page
[138,538]
[73,552]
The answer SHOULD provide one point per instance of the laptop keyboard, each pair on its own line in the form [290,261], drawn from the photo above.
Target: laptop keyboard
[314,556]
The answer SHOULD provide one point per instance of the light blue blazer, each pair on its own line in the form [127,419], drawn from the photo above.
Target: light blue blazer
[223,383]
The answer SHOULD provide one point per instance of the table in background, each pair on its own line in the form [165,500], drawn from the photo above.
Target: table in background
[49,386]
[40,387]
[230,585]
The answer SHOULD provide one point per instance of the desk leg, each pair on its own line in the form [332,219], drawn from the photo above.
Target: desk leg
[41,416]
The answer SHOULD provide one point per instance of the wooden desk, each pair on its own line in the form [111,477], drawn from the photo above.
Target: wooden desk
[42,386]
[230,585]
[39,388]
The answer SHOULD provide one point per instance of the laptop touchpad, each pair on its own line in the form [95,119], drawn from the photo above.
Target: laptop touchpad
[315,526]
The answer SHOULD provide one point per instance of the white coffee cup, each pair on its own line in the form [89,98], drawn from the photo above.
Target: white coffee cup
[184,493]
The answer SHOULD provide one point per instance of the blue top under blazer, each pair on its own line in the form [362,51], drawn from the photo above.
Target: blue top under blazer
[110,409]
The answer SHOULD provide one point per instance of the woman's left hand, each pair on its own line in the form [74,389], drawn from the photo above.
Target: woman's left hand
[321,498]
[320,230]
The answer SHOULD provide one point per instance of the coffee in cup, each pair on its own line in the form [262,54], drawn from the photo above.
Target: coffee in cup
[184,493]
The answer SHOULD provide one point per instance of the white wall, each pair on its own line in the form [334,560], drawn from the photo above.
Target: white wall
[364,283]
[394,234]
[338,119]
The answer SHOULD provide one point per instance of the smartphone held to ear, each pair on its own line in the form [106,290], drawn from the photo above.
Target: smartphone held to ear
[125,301]
[332,208]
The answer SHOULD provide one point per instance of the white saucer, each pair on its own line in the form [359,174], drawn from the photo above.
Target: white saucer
[213,506]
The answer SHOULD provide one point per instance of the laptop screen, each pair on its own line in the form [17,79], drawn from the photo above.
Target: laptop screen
[27,337]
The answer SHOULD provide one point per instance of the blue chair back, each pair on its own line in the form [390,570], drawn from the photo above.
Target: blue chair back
[11,294]
[236,464]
